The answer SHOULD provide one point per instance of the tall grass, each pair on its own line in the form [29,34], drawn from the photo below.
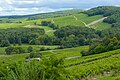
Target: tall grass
[46,69]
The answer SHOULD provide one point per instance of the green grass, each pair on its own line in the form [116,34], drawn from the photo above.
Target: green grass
[107,78]
[69,20]
[81,67]
[66,21]
[64,53]
[10,25]
[25,46]
[12,58]
[60,21]
[101,26]
[49,31]
[88,19]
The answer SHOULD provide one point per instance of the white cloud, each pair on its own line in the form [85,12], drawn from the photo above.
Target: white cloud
[20,7]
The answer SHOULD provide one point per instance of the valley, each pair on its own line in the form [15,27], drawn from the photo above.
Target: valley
[64,45]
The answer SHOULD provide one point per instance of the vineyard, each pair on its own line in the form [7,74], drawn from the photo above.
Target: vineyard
[64,45]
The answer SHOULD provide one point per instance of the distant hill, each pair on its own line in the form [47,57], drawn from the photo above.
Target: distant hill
[100,18]
[45,15]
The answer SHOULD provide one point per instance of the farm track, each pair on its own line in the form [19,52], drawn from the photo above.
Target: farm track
[72,57]
[92,23]
[80,21]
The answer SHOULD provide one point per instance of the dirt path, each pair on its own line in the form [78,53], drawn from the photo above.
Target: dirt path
[81,21]
[49,31]
[94,22]
[52,52]
[72,57]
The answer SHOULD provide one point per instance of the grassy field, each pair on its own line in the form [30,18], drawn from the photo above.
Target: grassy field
[25,46]
[64,53]
[73,20]
[12,58]
[69,20]
[10,25]
[88,19]
[49,31]
[101,26]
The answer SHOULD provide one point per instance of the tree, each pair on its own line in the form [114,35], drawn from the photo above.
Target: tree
[35,55]
[42,49]
[14,50]
[4,43]
[19,41]
[8,50]
[45,23]
[30,49]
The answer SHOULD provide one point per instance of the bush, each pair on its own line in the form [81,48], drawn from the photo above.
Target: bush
[14,50]
[30,49]
[46,69]
[42,49]
[34,55]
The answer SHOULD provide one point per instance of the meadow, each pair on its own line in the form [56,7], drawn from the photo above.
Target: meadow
[73,20]
[25,46]
[101,26]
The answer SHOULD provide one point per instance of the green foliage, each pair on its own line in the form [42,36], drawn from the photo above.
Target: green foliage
[49,23]
[96,67]
[73,36]
[45,23]
[18,35]
[67,36]
[112,12]
[42,49]
[104,10]
[30,49]
[46,69]
[104,46]
[4,43]
[35,55]
[14,50]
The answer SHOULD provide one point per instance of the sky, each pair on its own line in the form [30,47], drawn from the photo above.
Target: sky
[24,7]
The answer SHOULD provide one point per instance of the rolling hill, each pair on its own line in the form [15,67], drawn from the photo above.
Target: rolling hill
[64,45]
[73,17]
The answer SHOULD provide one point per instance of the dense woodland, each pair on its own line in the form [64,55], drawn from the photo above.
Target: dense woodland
[19,35]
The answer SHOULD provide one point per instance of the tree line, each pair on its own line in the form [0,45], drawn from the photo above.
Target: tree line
[19,35]
[112,12]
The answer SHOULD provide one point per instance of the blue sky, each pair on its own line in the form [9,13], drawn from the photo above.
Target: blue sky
[22,7]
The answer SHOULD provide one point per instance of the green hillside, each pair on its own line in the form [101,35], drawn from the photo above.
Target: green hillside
[64,45]
[63,18]
[78,66]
